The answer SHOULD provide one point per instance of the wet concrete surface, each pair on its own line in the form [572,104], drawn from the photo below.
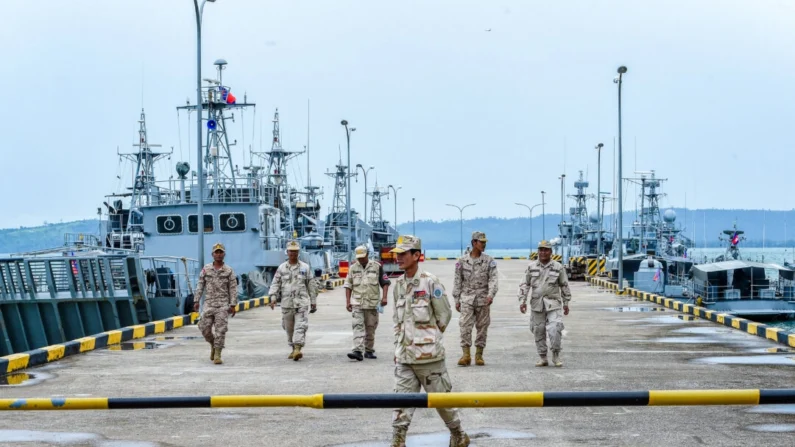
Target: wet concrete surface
[603,350]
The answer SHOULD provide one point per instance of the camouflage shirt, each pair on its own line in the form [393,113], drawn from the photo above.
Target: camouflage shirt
[295,285]
[366,284]
[475,279]
[548,284]
[218,286]
[421,314]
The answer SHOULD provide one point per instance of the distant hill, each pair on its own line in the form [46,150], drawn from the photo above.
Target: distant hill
[22,239]
[778,228]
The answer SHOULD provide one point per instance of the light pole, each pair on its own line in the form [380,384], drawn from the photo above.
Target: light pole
[413,219]
[543,217]
[530,209]
[199,158]
[621,70]
[599,191]
[394,191]
[563,252]
[461,219]
[365,186]
[348,131]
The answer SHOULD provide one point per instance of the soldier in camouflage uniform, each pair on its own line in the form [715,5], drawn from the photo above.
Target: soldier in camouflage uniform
[294,285]
[474,289]
[362,285]
[421,314]
[218,283]
[548,285]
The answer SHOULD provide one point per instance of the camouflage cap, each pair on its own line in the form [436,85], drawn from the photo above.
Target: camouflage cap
[479,236]
[293,246]
[545,244]
[406,243]
[219,247]
[361,252]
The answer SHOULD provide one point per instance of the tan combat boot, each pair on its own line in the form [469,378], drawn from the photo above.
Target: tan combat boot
[458,438]
[212,352]
[398,438]
[556,359]
[297,353]
[479,356]
[465,359]
[217,358]
[292,354]
[542,362]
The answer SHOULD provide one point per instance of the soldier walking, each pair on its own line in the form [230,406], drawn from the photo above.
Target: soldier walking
[362,285]
[474,288]
[548,286]
[218,284]
[294,286]
[421,314]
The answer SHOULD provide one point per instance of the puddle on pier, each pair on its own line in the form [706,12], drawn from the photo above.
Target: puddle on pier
[190,337]
[689,340]
[17,437]
[137,346]
[635,309]
[665,319]
[443,438]
[772,350]
[772,428]
[748,360]
[774,409]
[23,379]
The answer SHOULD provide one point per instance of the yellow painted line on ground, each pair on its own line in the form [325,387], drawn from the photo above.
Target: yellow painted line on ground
[704,397]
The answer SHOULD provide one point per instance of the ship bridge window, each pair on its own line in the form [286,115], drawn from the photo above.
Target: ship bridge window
[193,223]
[169,224]
[232,222]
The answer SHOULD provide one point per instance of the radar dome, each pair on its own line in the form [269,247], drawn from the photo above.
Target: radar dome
[183,168]
[669,216]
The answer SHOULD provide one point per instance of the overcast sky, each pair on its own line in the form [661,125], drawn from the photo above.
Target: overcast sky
[451,112]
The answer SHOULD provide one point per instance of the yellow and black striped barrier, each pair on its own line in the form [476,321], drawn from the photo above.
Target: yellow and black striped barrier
[47,354]
[420,400]
[775,334]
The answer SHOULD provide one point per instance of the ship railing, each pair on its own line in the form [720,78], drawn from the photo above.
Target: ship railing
[67,278]
[243,190]
[169,276]
[711,293]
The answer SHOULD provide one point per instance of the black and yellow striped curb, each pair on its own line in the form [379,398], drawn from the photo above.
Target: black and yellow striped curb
[420,400]
[775,334]
[47,354]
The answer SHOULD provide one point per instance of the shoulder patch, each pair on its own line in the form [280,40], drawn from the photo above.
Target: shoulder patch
[437,292]
[493,263]
[457,265]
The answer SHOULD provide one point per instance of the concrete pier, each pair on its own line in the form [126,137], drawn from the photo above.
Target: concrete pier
[610,343]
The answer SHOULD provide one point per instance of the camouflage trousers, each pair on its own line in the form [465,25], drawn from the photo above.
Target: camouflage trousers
[215,319]
[365,321]
[295,322]
[480,318]
[547,323]
[433,378]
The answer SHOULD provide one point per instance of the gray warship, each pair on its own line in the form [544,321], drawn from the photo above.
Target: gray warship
[578,241]
[753,290]
[253,211]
